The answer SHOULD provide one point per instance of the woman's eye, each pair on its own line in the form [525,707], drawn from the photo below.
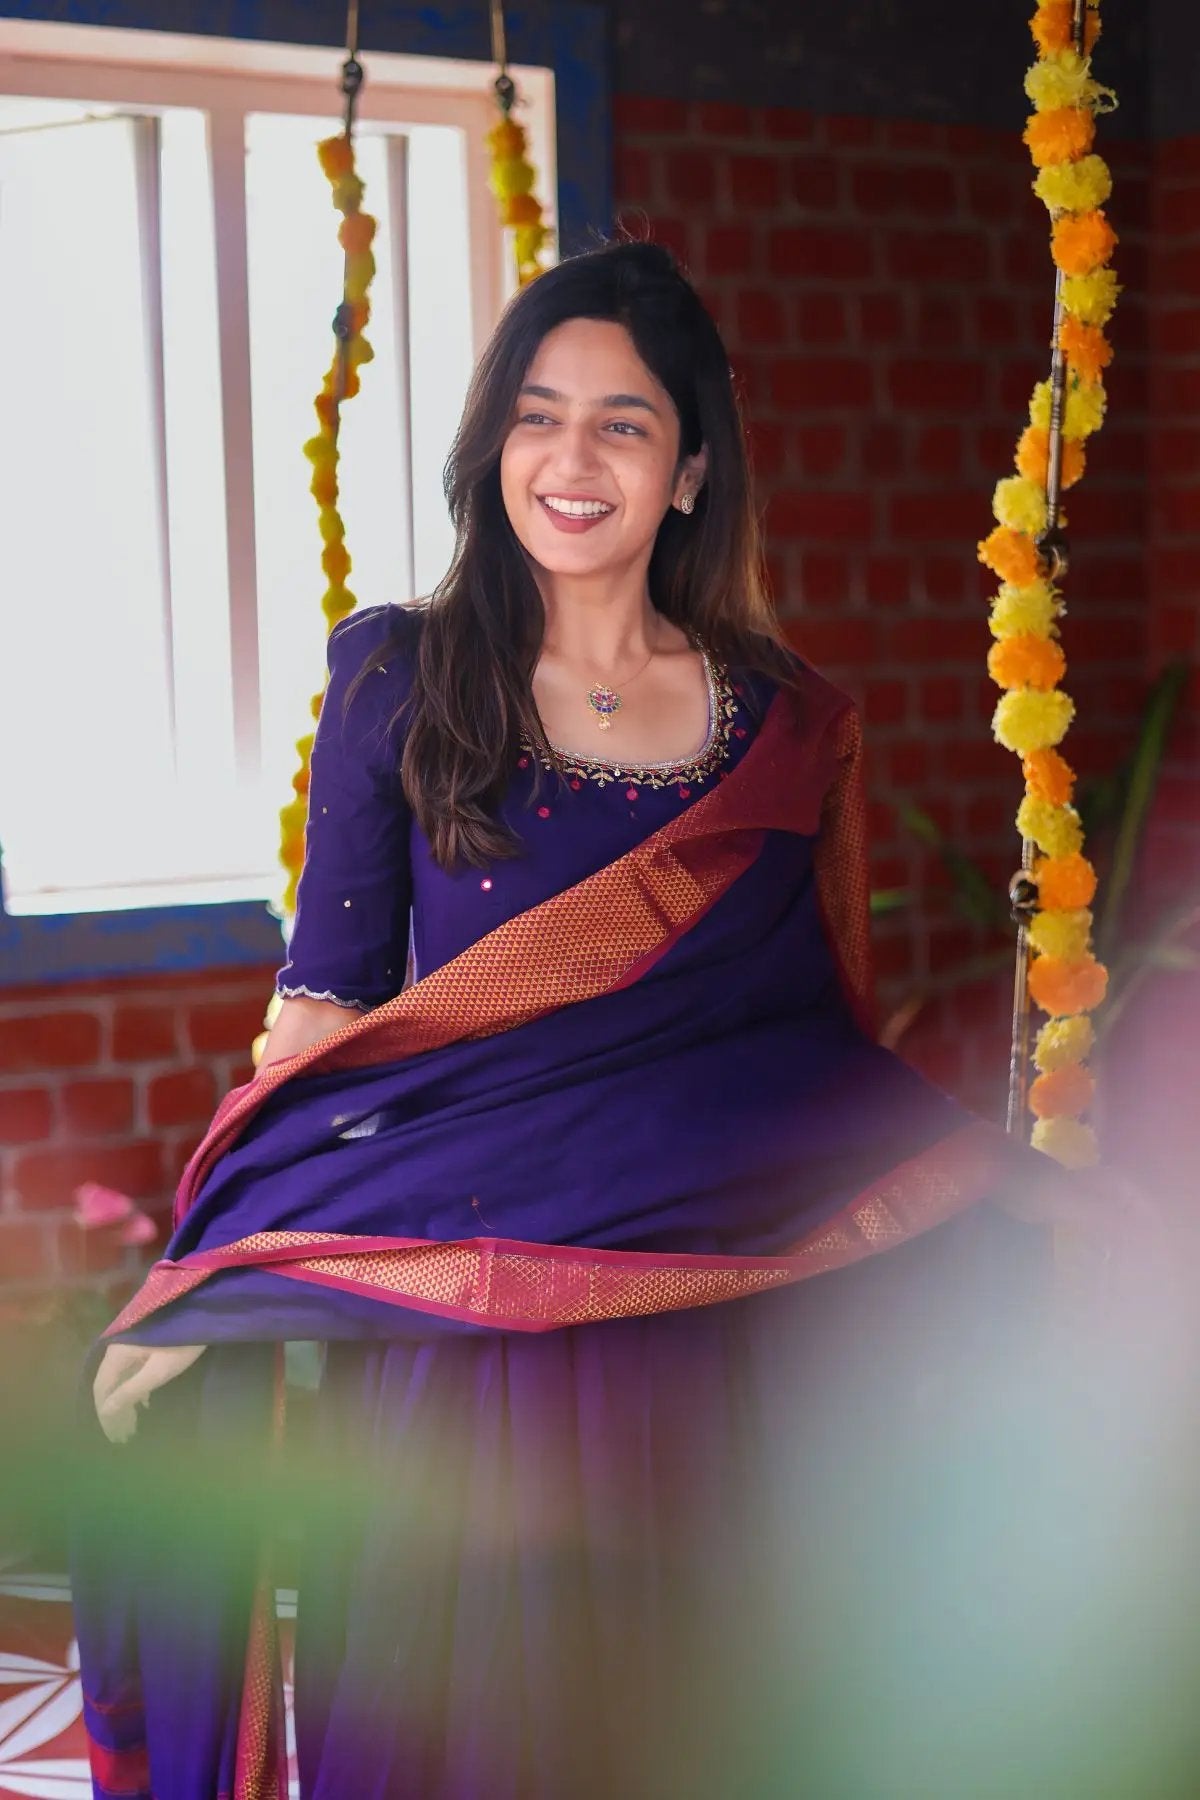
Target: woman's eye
[625,429]
[535,419]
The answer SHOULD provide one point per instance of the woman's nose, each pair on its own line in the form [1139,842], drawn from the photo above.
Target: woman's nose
[577,455]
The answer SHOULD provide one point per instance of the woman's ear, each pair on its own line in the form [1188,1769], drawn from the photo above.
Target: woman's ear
[693,472]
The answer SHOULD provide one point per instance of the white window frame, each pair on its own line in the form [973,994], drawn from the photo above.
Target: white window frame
[228,79]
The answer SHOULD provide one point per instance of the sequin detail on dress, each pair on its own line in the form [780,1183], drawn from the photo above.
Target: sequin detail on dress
[722,711]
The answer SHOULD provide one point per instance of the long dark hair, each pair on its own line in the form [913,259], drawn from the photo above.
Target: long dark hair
[472,697]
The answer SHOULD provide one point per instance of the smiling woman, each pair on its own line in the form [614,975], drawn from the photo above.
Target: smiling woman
[640,1266]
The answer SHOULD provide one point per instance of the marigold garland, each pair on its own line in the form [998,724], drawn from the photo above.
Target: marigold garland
[356,235]
[512,181]
[1027,660]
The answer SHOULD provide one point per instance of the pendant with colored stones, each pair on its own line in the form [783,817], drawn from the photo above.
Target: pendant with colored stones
[604,702]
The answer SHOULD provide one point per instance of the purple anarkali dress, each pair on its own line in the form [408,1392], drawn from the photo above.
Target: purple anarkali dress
[729,1549]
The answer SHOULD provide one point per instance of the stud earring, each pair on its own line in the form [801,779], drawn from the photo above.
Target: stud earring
[688,503]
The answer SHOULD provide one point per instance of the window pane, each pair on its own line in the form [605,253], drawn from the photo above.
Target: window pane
[439,308]
[85,738]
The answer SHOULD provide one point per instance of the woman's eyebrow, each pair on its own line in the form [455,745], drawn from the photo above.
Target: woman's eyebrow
[545,393]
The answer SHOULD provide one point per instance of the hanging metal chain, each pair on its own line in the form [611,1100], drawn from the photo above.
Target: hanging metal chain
[351,86]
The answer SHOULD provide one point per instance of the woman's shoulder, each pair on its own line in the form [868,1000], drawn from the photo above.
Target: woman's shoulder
[388,635]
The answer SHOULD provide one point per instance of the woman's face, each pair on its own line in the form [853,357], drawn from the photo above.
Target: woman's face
[591,462]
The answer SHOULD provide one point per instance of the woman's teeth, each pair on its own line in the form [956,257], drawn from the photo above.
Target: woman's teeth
[576,509]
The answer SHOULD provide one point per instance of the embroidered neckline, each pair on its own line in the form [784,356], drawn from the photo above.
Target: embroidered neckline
[722,712]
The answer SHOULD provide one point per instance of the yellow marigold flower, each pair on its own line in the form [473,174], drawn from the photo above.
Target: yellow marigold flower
[1063,1041]
[1082,242]
[1026,660]
[292,817]
[1063,1093]
[1083,413]
[1056,830]
[1033,457]
[1049,776]
[1020,504]
[1085,347]
[337,601]
[315,705]
[1059,80]
[304,745]
[1075,186]
[507,178]
[320,450]
[329,524]
[1012,556]
[1068,1141]
[528,240]
[1092,298]
[347,195]
[1017,610]
[1065,882]
[360,272]
[1057,136]
[1027,720]
[1064,934]
[1060,986]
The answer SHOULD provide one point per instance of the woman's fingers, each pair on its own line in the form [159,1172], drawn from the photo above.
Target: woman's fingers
[131,1381]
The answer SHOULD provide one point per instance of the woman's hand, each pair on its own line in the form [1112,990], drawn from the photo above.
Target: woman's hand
[128,1375]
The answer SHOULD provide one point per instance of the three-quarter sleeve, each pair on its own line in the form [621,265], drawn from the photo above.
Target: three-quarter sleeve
[349,943]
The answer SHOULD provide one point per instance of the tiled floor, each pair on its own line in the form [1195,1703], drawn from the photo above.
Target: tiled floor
[43,1755]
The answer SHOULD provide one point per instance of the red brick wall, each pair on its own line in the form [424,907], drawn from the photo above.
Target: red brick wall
[1174,512]
[111,1082]
[885,288]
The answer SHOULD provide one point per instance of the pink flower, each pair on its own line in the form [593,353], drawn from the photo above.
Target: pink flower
[97,1206]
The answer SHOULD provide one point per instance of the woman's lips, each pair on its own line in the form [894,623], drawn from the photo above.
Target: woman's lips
[573,522]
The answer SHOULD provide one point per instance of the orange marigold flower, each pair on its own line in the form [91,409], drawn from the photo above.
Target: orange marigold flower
[301,779]
[356,232]
[324,487]
[335,560]
[1062,1093]
[1061,987]
[1026,660]
[507,140]
[522,209]
[1063,134]
[1049,776]
[1011,554]
[1051,26]
[1085,347]
[325,407]
[1033,457]
[1082,242]
[336,156]
[1065,882]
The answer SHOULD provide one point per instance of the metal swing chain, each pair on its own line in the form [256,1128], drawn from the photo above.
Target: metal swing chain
[351,86]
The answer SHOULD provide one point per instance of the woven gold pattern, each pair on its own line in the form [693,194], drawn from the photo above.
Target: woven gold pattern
[535,1287]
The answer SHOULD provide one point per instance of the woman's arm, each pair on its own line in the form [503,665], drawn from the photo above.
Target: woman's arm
[300,1023]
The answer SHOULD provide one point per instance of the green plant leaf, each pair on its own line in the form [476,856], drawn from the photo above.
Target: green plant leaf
[1141,777]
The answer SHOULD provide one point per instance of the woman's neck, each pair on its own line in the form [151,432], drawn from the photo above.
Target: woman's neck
[600,623]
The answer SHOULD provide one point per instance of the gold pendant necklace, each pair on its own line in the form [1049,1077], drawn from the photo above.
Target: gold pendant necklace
[607,701]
